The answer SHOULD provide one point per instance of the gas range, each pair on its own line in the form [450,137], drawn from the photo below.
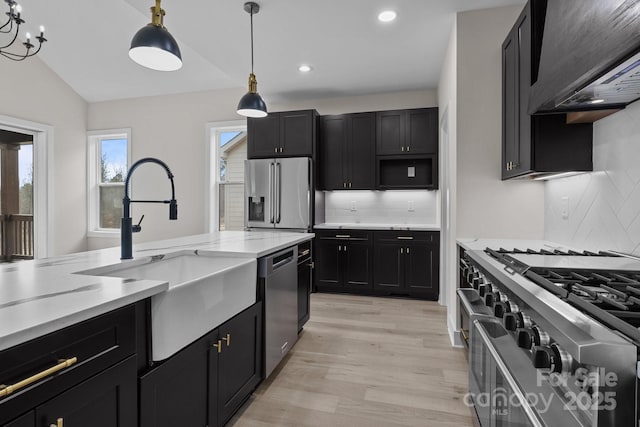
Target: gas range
[545,315]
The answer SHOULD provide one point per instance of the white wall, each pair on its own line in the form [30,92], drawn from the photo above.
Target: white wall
[470,91]
[487,206]
[448,109]
[172,128]
[603,206]
[32,92]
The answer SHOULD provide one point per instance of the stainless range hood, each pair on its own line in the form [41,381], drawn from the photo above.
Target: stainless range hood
[590,56]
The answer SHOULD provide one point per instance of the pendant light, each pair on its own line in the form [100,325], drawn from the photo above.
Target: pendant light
[153,46]
[252,104]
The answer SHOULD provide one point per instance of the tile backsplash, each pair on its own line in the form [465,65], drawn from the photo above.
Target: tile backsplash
[382,207]
[601,210]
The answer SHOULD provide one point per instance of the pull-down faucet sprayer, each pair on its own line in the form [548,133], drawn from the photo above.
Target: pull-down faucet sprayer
[126,227]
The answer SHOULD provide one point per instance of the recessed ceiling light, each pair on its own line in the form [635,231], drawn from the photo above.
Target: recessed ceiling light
[304,68]
[597,101]
[387,16]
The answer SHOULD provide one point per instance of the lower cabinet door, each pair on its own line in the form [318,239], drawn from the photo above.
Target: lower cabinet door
[108,399]
[388,266]
[328,254]
[27,420]
[239,362]
[175,393]
[356,265]
[421,265]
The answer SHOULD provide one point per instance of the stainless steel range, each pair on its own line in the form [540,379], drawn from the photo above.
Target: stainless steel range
[553,337]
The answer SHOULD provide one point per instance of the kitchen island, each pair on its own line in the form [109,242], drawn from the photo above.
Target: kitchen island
[46,302]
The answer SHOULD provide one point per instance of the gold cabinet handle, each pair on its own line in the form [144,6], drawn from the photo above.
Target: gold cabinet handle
[281,149]
[402,148]
[344,185]
[5,391]
[59,423]
[218,345]
[349,185]
[227,339]
[343,236]
[408,148]
[401,250]
[275,150]
[305,252]
[404,238]
[407,251]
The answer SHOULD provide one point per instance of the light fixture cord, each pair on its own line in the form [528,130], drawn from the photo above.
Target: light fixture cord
[251,39]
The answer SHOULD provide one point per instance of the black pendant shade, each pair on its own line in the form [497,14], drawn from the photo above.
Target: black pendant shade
[252,104]
[154,47]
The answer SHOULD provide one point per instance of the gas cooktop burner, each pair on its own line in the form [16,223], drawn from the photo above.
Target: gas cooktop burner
[603,285]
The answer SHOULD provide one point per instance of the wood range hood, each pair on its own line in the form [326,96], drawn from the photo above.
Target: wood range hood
[589,58]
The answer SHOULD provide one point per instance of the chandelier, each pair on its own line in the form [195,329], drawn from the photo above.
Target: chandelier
[11,28]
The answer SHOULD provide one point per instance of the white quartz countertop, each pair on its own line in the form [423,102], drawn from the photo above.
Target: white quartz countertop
[41,296]
[366,226]
[471,244]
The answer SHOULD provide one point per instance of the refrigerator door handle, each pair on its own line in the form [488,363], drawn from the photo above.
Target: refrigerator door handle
[279,189]
[271,191]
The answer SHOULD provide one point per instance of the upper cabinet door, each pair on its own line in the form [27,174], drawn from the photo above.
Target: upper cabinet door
[422,131]
[297,133]
[263,139]
[361,152]
[333,144]
[510,93]
[390,132]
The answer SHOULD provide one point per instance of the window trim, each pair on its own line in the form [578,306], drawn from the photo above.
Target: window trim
[212,169]
[94,138]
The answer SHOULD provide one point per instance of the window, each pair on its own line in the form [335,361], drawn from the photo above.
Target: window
[231,147]
[108,162]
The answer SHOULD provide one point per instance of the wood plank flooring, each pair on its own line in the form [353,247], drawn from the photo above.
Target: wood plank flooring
[366,362]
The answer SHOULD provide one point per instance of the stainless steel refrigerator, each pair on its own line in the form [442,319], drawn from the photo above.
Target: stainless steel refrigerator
[279,193]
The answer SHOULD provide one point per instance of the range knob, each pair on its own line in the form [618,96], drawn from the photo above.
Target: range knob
[503,307]
[484,288]
[530,337]
[552,358]
[491,298]
[514,320]
[477,281]
[472,274]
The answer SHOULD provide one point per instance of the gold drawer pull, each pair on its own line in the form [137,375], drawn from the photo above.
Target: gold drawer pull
[5,391]
[59,423]
[227,339]
[405,238]
[305,252]
[343,236]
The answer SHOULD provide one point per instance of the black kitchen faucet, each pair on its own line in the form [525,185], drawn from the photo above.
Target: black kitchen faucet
[126,227]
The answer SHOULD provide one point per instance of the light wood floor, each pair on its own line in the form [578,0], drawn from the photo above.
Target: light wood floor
[365,361]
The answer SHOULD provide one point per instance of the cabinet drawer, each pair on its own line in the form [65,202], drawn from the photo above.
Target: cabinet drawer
[407,236]
[95,345]
[357,235]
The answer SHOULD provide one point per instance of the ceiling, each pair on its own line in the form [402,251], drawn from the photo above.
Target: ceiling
[350,51]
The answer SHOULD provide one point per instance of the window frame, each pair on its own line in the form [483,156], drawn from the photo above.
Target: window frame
[94,140]
[212,195]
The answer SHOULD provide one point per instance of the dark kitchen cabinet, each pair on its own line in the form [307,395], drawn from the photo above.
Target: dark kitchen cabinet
[27,420]
[305,274]
[413,131]
[343,260]
[206,382]
[407,263]
[407,172]
[105,400]
[347,157]
[94,381]
[282,134]
[239,361]
[535,145]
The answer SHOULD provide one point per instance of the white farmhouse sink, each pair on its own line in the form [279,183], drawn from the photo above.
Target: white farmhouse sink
[204,291]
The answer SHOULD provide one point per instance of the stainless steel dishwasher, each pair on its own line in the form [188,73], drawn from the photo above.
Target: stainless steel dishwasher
[280,277]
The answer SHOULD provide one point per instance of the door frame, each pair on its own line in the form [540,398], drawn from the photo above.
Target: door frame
[43,140]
